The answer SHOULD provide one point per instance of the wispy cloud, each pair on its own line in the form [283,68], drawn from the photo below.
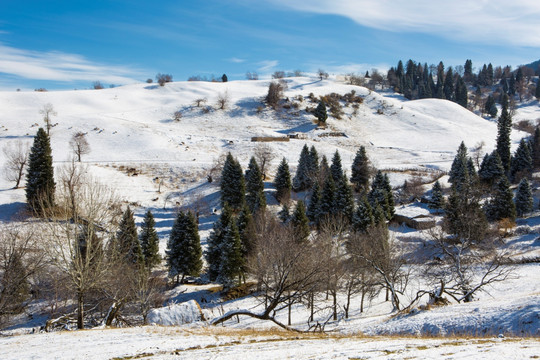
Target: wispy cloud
[267,65]
[488,21]
[61,67]
[237,60]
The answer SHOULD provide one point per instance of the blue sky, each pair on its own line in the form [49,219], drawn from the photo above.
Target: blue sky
[59,44]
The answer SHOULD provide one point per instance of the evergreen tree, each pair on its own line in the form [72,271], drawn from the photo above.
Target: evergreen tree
[464,217]
[437,198]
[336,169]
[381,194]
[501,205]
[184,254]
[255,197]
[324,170]
[328,200]
[40,184]
[127,239]
[320,113]
[313,162]
[284,214]
[467,73]
[232,262]
[360,170]
[390,210]
[491,169]
[313,211]
[247,231]
[448,87]
[149,241]
[504,128]
[524,199]
[282,182]
[344,201]
[521,164]
[300,222]
[490,107]
[215,241]
[363,216]
[302,180]
[440,81]
[461,96]
[535,148]
[459,172]
[233,188]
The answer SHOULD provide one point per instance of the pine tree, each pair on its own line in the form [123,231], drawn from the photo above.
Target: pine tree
[313,211]
[344,201]
[324,170]
[461,96]
[247,231]
[464,217]
[502,205]
[282,182]
[127,239]
[459,172]
[521,163]
[284,214]
[232,263]
[327,203]
[448,87]
[360,170]
[215,240]
[535,148]
[491,169]
[437,198]
[504,128]
[313,162]
[300,222]
[363,216]
[40,184]
[336,169]
[377,195]
[255,197]
[320,113]
[524,199]
[490,107]
[302,180]
[390,209]
[233,187]
[149,241]
[184,254]
[467,73]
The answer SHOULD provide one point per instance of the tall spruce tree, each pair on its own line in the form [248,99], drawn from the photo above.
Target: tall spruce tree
[127,239]
[232,263]
[521,164]
[282,182]
[524,199]
[300,222]
[437,198]
[302,180]
[490,107]
[284,214]
[459,172]
[247,231]
[255,197]
[363,216]
[232,185]
[501,205]
[327,202]
[40,184]
[461,96]
[313,211]
[448,87]
[491,169]
[504,128]
[215,241]
[184,254]
[313,162]
[336,169]
[149,241]
[360,170]
[344,200]
[535,148]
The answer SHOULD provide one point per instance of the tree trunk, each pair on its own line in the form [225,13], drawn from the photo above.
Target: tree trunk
[362,300]
[334,296]
[312,305]
[290,309]
[80,310]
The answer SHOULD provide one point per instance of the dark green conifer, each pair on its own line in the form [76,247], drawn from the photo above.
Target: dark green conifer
[501,205]
[524,199]
[313,211]
[344,200]
[215,240]
[282,182]
[40,184]
[360,170]
[302,179]
[232,262]
[284,214]
[232,185]
[491,169]
[127,239]
[363,216]
[521,163]
[149,241]
[255,197]
[184,254]
[320,113]
[437,198]
[336,169]
[300,222]
[504,128]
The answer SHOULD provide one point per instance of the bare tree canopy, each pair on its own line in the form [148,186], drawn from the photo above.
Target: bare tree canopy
[16,154]
[48,112]
[79,144]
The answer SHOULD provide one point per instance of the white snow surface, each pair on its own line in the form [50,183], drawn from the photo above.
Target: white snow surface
[176,314]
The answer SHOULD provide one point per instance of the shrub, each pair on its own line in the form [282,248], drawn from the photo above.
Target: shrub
[163,78]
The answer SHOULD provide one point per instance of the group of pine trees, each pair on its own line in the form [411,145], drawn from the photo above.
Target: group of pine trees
[482,195]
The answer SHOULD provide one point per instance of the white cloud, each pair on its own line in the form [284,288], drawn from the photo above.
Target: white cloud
[267,65]
[489,21]
[237,60]
[60,66]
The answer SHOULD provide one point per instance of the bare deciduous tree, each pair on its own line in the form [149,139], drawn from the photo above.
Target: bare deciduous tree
[177,116]
[48,111]
[79,144]
[16,161]
[163,78]
[264,155]
[223,100]
[200,101]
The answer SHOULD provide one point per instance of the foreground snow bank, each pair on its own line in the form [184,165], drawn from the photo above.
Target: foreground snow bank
[176,314]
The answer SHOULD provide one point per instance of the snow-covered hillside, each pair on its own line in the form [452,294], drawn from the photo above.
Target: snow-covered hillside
[135,144]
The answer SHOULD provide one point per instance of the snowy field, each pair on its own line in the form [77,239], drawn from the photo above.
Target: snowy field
[131,127]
